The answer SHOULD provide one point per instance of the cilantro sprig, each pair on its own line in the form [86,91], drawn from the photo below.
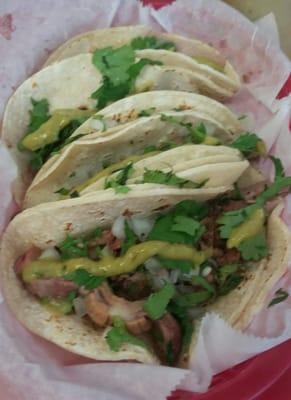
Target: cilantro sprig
[231,219]
[38,114]
[280,295]
[255,248]
[85,279]
[170,179]
[118,182]
[119,71]
[196,134]
[77,247]
[130,238]
[151,42]
[247,143]
[156,304]
[118,335]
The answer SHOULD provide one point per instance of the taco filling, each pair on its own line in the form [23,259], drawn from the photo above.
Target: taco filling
[146,280]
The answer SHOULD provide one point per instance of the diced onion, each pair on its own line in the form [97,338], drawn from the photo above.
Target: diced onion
[152,265]
[206,271]
[160,278]
[79,306]
[50,253]
[141,226]
[118,228]
[174,275]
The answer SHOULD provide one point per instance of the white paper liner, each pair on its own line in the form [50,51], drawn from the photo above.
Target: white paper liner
[31,368]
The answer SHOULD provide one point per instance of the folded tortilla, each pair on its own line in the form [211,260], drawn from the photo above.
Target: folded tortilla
[79,216]
[119,131]
[214,75]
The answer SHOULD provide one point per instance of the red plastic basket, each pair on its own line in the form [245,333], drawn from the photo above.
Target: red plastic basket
[264,377]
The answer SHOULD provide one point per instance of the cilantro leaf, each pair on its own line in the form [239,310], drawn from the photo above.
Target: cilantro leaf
[280,183]
[118,335]
[63,191]
[190,300]
[279,169]
[73,248]
[192,209]
[149,149]
[119,71]
[168,178]
[225,271]
[162,230]
[230,284]
[255,248]
[246,143]
[231,219]
[147,112]
[196,134]
[188,225]
[118,182]
[151,42]
[184,266]
[38,115]
[130,239]
[39,157]
[280,295]
[77,247]
[203,283]
[156,304]
[85,279]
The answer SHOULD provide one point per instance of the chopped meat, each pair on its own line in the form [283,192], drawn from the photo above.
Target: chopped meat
[211,237]
[108,239]
[53,287]
[171,335]
[96,309]
[233,205]
[227,256]
[139,325]
[132,287]
[32,254]
[102,305]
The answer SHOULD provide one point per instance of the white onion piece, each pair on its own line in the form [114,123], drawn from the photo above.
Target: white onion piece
[161,278]
[106,251]
[142,226]
[50,253]
[152,265]
[118,228]
[174,275]
[206,271]
[79,306]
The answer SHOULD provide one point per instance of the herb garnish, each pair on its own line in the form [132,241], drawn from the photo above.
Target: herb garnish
[247,143]
[151,42]
[196,134]
[118,182]
[169,178]
[119,71]
[280,295]
[279,169]
[118,335]
[83,278]
[156,304]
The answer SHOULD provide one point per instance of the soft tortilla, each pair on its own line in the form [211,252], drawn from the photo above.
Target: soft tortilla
[86,156]
[46,225]
[224,84]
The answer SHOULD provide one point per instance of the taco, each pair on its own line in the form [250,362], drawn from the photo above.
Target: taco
[127,277]
[49,139]
[213,74]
